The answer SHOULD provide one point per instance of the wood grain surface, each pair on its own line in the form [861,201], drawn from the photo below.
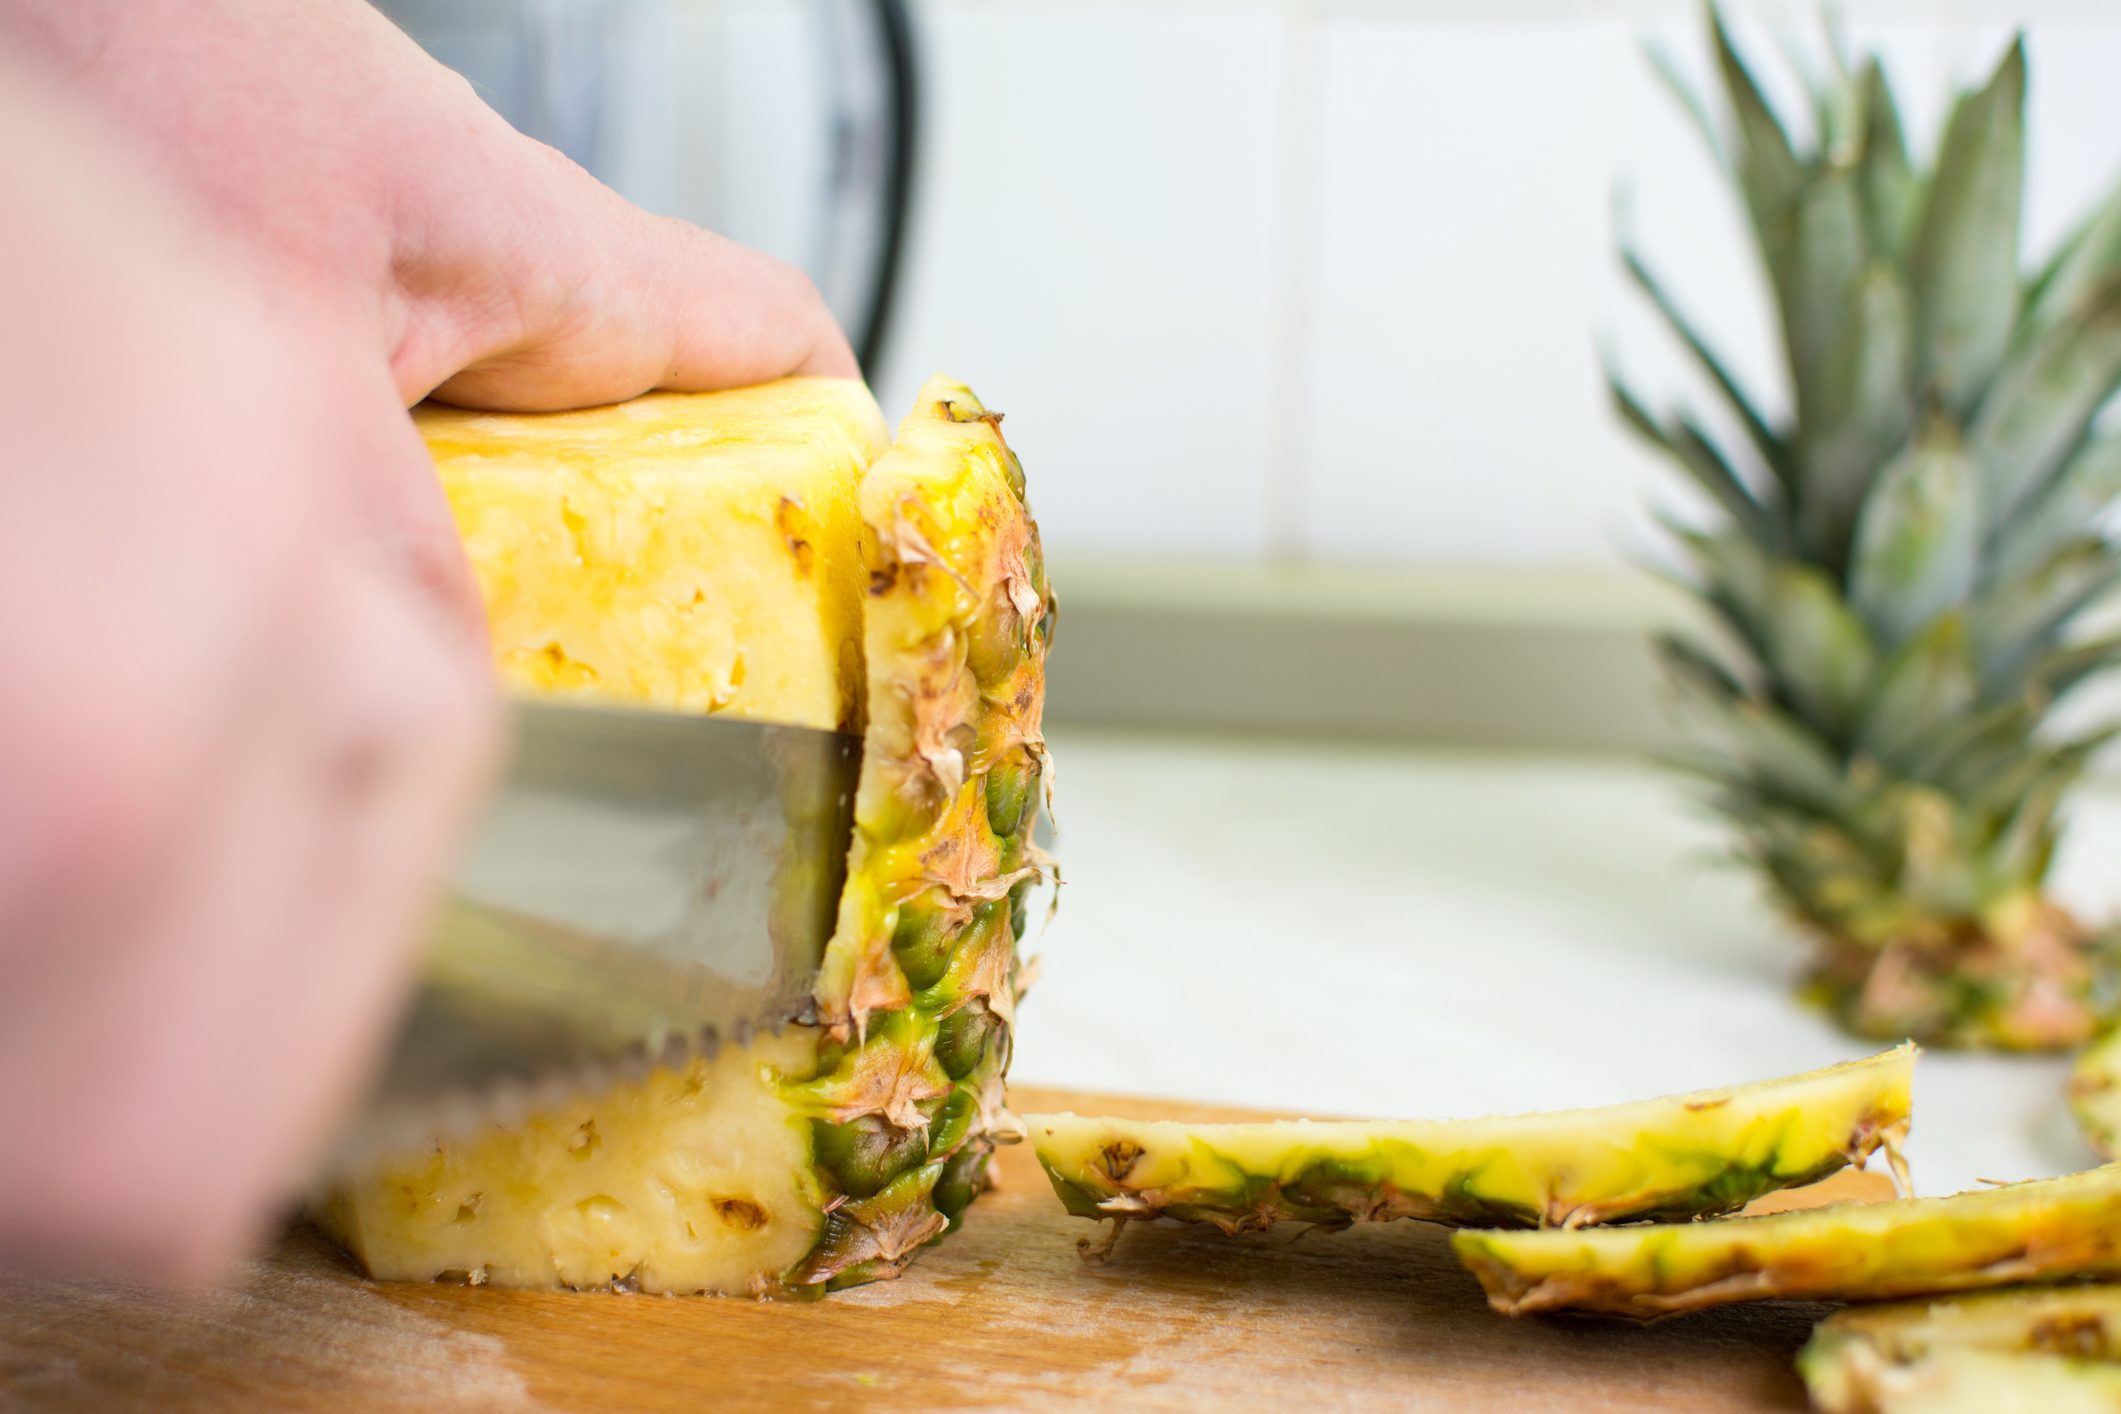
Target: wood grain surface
[1005,1315]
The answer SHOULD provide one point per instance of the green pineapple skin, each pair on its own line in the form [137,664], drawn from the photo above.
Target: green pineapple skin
[1893,1355]
[945,854]
[1681,1157]
[1896,572]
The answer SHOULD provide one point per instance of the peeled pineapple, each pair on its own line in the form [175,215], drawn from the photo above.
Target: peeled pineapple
[1707,1152]
[762,554]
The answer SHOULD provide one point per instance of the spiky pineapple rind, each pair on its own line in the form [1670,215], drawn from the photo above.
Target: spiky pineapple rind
[2049,1230]
[918,988]
[1680,1157]
[831,1152]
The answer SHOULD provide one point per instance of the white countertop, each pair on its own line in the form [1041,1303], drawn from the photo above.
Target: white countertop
[1368,930]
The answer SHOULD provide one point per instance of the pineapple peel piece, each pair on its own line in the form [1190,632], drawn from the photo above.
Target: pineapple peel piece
[1682,1156]
[768,553]
[2095,1094]
[1954,1381]
[2055,1229]
[1913,1354]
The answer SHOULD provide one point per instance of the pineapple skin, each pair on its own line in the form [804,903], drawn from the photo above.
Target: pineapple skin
[2058,1229]
[761,553]
[1679,1157]
[1906,1355]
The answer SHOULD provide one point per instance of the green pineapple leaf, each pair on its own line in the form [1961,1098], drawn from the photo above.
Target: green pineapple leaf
[2016,622]
[1963,265]
[2072,281]
[1769,174]
[1736,579]
[1863,413]
[1690,102]
[2054,514]
[1693,670]
[1765,441]
[1918,544]
[1686,445]
[1828,256]
[2045,399]
[1931,680]
[1890,186]
[1821,654]
[1772,758]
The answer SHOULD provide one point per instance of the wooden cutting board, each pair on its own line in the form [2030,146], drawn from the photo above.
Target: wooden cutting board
[1004,1315]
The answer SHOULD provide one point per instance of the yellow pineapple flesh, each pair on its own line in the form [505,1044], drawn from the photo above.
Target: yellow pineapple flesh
[763,554]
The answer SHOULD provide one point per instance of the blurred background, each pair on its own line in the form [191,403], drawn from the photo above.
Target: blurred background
[1295,309]
[1294,305]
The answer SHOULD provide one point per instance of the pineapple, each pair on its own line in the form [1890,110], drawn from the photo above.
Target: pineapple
[1898,569]
[1952,1354]
[761,553]
[1707,1152]
[2095,1094]
[2053,1230]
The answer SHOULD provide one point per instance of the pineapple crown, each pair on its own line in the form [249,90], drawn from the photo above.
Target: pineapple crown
[1900,563]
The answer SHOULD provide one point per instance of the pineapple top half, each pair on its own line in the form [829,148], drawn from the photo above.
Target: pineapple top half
[1898,569]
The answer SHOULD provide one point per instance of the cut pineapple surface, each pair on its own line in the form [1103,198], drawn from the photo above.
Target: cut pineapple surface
[1707,1152]
[1880,1357]
[760,554]
[688,551]
[2055,1229]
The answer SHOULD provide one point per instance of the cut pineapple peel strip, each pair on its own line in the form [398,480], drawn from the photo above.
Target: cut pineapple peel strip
[2050,1230]
[1683,1156]
[1876,1357]
[2095,1094]
[1974,1381]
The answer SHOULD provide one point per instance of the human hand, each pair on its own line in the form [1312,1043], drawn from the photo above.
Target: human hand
[368,181]
[238,728]
[253,733]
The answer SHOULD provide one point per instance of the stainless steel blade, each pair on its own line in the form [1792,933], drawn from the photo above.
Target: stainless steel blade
[642,883]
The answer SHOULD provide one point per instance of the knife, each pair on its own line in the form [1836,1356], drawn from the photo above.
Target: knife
[643,886]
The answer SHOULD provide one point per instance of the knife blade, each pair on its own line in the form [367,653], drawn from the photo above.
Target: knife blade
[643,884]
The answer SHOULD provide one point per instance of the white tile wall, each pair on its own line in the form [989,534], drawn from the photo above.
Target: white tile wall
[1314,278]
[1095,252]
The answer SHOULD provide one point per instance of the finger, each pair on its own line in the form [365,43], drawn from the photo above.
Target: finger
[404,747]
[626,302]
[180,1089]
[129,1052]
[357,414]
